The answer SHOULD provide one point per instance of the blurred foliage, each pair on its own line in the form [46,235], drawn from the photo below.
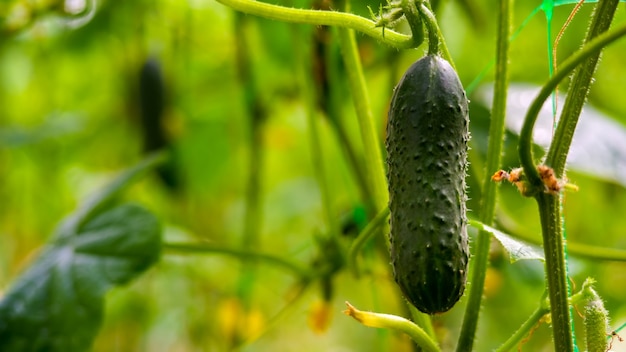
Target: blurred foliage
[70,116]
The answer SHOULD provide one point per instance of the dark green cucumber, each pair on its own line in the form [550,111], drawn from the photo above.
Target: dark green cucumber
[427,135]
[153,103]
[152,100]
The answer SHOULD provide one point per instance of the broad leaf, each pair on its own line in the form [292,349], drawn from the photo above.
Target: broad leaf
[107,195]
[517,249]
[57,304]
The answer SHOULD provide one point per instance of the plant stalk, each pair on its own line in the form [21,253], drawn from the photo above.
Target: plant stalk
[578,90]
[256,115]
[489,191]
[320,17]
[371,144]
[556,270]
[414,20]
[305,72]
[367,233]
[550,205]
[525,144]
[243,254]
[435,37]
[523,331]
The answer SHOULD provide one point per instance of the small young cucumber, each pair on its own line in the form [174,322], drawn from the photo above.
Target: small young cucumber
[427,135]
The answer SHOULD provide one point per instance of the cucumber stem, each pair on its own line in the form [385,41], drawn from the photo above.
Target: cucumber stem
[436,40]
[414,20]
[433,31]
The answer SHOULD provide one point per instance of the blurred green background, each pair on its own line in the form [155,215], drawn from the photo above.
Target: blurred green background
[70,119]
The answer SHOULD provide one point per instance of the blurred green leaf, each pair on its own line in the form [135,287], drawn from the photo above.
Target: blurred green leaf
[104,198]
[57,304]
[599,146]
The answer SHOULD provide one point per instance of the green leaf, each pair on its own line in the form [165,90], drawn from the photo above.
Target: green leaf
[57,304]
[106,196]
[517,249]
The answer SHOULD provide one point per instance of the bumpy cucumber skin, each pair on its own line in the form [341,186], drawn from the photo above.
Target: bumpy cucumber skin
[427,135]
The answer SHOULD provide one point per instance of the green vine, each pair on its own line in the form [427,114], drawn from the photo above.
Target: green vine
[435,37]
[550,204]
[242,254]
[360,97]
[367,233]
[315,138]
[526,328]
[591,48]
[578,91]
[328,18]
[256,114]
[414,19]
[585,295]
[489,191]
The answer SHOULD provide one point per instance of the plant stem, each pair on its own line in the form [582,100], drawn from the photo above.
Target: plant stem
[423,321]
[525,145]
[578,90]
[328,18]
[585,294]
[489,191]
[549,205]
[556,270]
[371,144]
[243,254]
[557,155]
[414,20]
[304,73]
[366,234]
[523,331]
[329,78]
[336,76]
[255,114]
[435,38]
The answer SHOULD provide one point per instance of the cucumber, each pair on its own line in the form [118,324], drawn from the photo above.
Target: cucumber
[427,135]
[152,99]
